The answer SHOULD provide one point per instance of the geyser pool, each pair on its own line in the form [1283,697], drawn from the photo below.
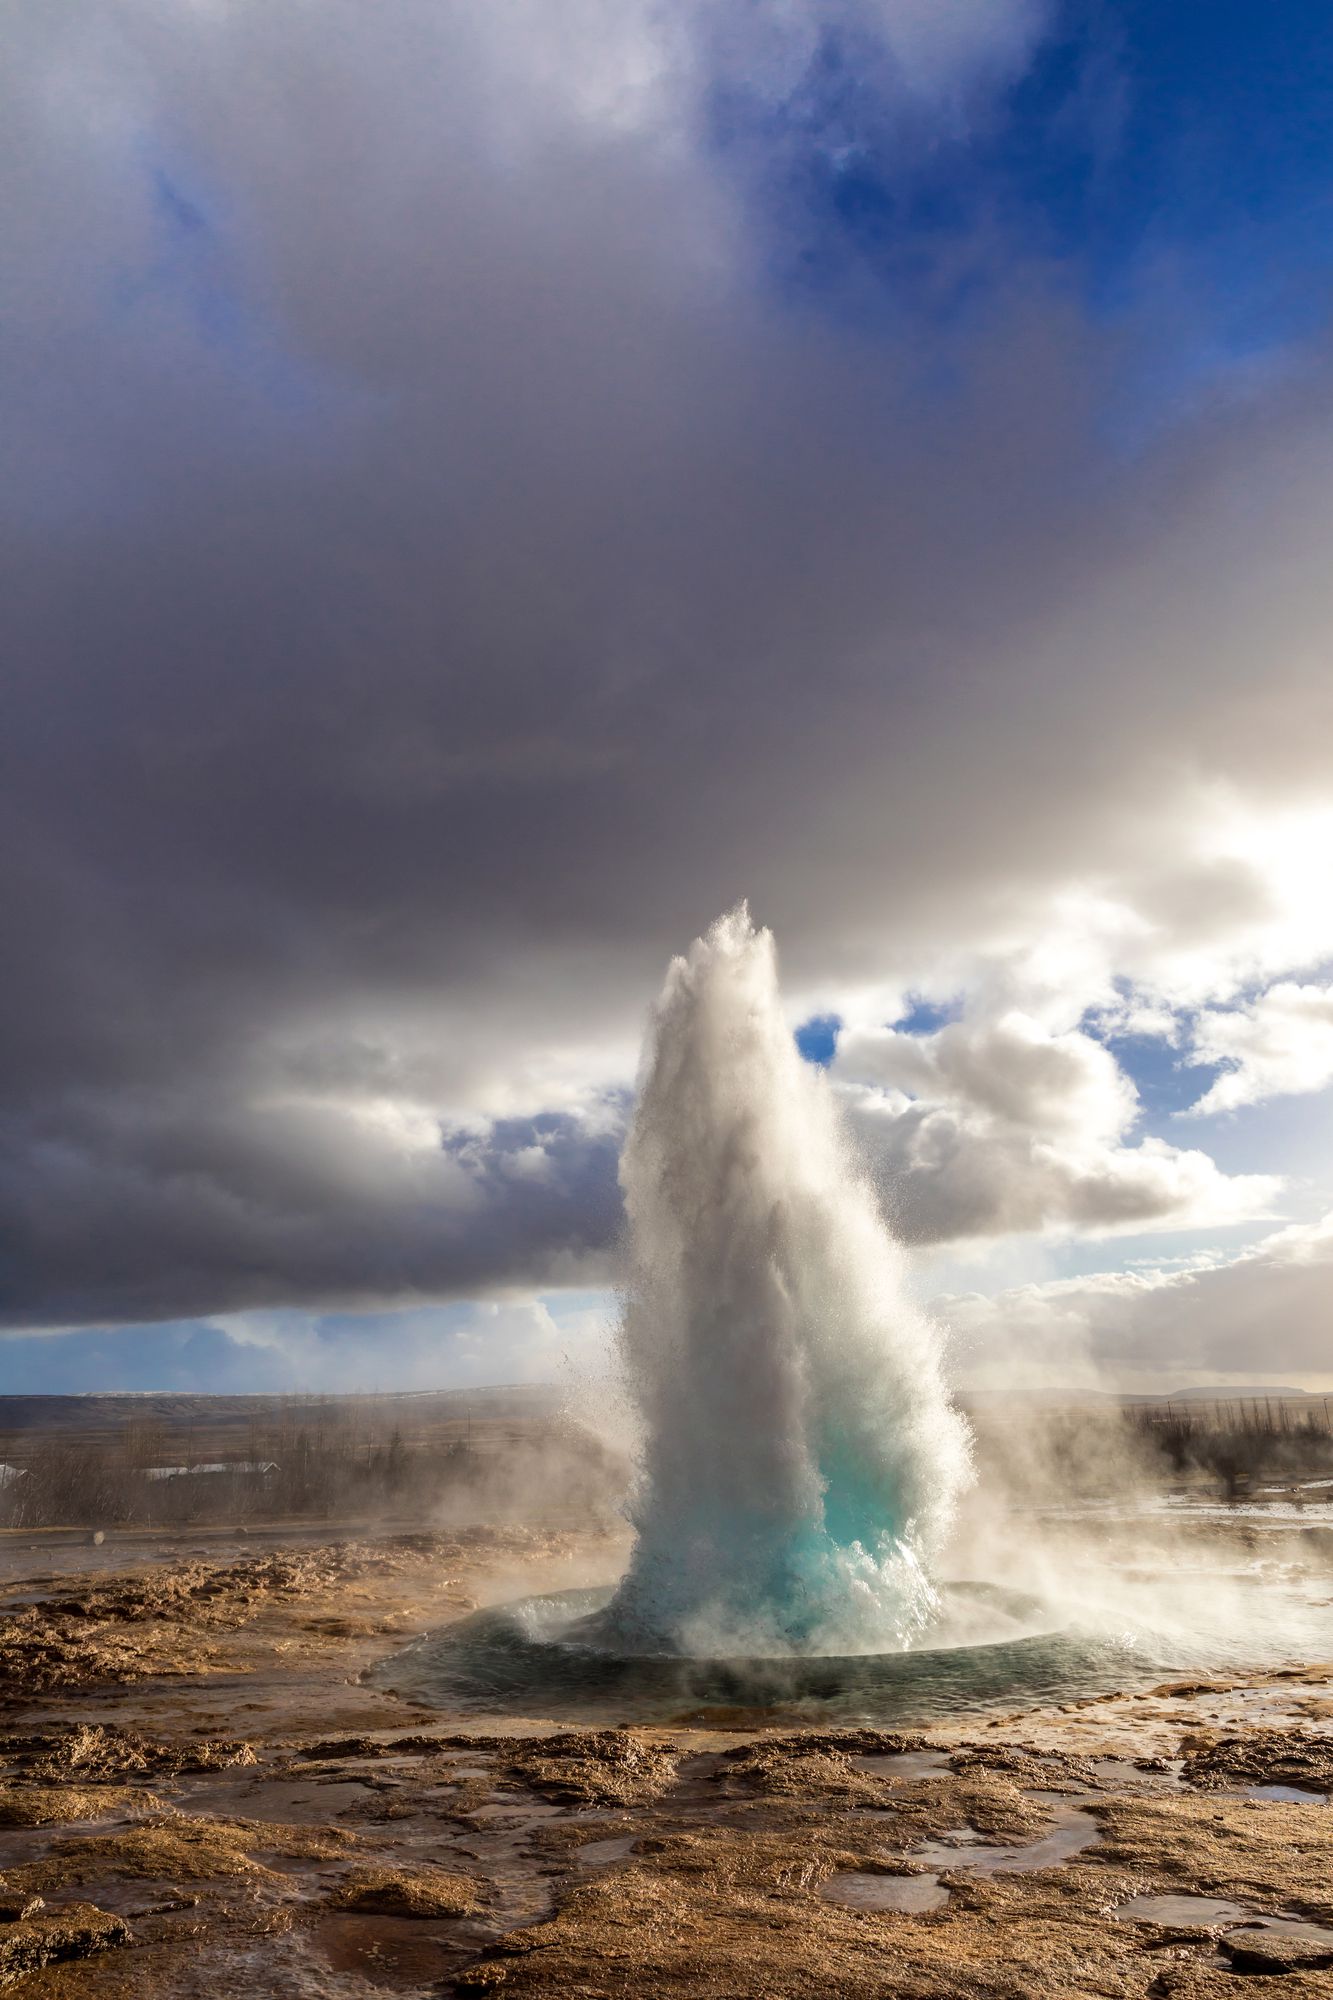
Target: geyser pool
[801,1458]
[989,1649]
[550,1656]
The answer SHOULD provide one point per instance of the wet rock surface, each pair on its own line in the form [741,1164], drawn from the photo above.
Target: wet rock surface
[278,1825]
[403,1892]
[115,1630]
[48,1937]
[1276,1949]
[16,1905]
[92,1753]
[596,1767]
[1294,1757]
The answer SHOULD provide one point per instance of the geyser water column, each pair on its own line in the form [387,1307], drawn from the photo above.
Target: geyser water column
[801,1458]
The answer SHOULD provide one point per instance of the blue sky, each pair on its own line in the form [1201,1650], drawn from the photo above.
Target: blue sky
[1141,149]
[284,1352]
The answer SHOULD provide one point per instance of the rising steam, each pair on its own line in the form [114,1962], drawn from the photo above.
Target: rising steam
[801,1457]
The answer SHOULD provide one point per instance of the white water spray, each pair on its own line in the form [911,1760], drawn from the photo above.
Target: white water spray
[801,1457]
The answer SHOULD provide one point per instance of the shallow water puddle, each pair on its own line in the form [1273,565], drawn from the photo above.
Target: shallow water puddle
[1277,1945]
[1244,1931]
[1294,1795]
[526,1809]
[300,1801]
[1189,1912]
[910,1895]
[386,1951]
[904,1765]
[1123,1771]
[1074,1830]
[1292,1927]
[600,1853]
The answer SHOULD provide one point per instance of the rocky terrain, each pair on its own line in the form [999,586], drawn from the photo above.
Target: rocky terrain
[200,1792]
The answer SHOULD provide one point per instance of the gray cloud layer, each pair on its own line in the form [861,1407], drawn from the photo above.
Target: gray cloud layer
[445,568]
[1186,1323]
[996,1125]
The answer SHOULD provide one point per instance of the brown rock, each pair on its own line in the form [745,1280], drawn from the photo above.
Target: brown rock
[1276,1952]
[77,1931]
[331,1748]
[403,1892]
[16,1905]
[59,1805]
[595,1767]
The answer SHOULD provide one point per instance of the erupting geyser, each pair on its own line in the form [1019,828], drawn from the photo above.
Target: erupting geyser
[801,1458]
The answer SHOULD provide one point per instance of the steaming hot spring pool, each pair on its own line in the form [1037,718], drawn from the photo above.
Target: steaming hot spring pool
[993,1649]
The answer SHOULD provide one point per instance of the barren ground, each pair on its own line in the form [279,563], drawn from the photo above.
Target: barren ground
[201,1796]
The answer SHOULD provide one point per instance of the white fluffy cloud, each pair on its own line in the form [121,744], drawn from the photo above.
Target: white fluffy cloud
[1011,1069]
[1265,1314]
[996,1126]
[1017,1116]
[1277,1045]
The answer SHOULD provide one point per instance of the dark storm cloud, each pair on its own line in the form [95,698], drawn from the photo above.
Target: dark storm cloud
[445,566]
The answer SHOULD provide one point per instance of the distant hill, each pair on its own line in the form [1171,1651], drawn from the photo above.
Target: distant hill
[1199,1393]
[101,1413]
[1228,1393]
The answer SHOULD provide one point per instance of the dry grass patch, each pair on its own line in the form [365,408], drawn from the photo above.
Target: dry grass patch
[59,1805]
[1272,1855]
[44,1650]
[1260,1757]
[94,1752]
[613,1767]
[726,1916]
[797,1768]
[179,1849]
[406,1892]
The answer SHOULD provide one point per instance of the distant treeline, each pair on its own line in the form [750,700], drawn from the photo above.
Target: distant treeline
[1092,1450]
[491,1470]
[1241,1441]
[342,1460]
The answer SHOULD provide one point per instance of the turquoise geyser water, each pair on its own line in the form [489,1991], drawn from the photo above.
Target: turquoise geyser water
[987,1650]
[535,1658]
[801,1458]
